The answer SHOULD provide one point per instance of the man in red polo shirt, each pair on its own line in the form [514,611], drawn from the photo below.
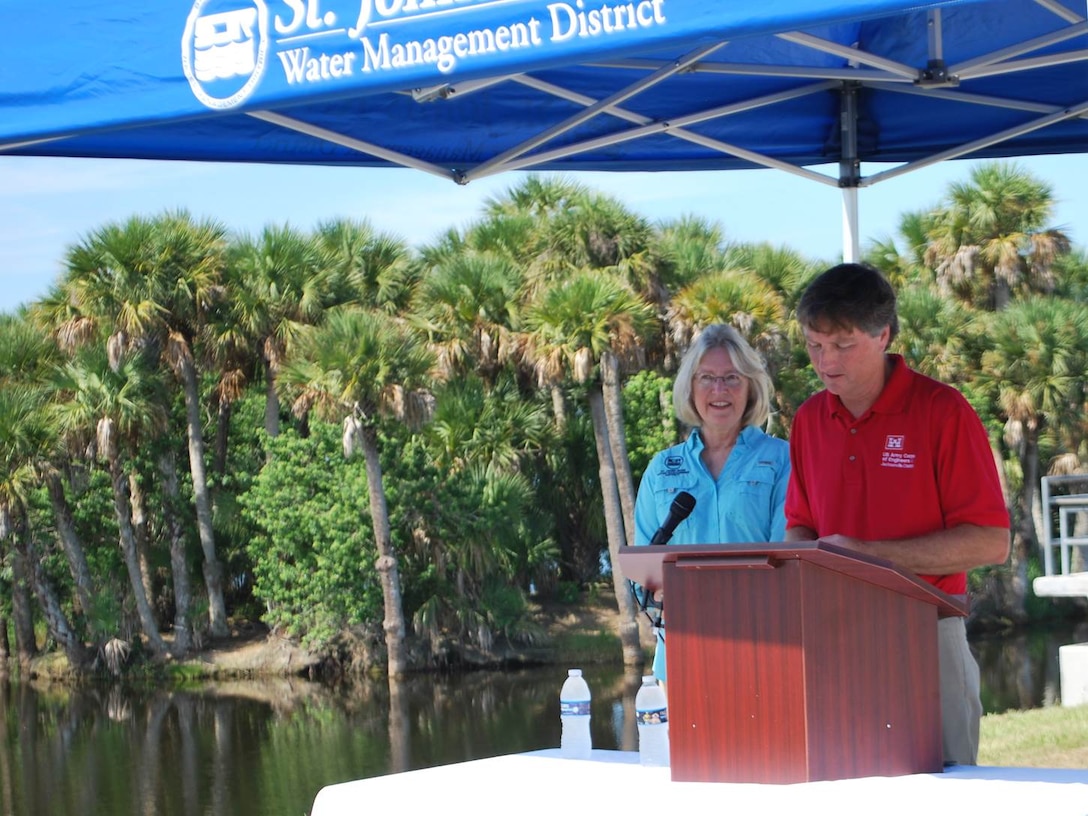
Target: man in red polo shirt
[893,464]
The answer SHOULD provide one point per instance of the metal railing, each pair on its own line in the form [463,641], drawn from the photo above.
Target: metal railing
[1067,497]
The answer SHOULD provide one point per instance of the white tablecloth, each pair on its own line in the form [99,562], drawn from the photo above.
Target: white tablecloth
[612,782]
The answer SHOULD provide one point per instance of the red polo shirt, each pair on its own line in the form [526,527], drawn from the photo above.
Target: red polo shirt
[918,461]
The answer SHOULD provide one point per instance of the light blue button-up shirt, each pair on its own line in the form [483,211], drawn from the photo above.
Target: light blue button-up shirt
[745,503]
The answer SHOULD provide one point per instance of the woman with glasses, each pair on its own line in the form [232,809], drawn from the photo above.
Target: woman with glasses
[736,472]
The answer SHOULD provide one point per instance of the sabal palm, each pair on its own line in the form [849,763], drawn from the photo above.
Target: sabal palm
[23,434]
[1033,372]
[22,437]
[278,284]
[735,296]
[784,269]
[991,238]
[32,450]
[358,366]
[538,196]
[150,283]
[596,231]
[365,266]
[475,426]
[520,223]
[110,408]
[903,266]
[589,320]
[467,308]
[690,247]
[935,334]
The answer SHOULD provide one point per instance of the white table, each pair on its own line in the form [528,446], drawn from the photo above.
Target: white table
[612,782]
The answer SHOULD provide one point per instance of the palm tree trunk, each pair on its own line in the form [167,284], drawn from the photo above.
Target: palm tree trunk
[26,644]
[613,405]
[70,543]
[122,509]
[222,434]
[271,401]
[1025,540]
[55,620]
[213,570]
[386,564]
[139,529]
[559,408]
[1013,600]
[613,516]
[179,564]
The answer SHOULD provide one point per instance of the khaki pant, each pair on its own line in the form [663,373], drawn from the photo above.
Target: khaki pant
[961,704]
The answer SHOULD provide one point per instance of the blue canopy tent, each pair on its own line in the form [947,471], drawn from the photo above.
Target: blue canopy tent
[470,88]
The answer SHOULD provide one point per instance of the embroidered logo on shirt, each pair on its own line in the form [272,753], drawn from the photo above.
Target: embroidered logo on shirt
[894,455]
[674,466]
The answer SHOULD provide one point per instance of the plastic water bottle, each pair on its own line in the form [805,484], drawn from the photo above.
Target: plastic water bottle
[651,712]
[574,698]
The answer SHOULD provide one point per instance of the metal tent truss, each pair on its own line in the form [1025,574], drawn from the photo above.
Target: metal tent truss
[817,67]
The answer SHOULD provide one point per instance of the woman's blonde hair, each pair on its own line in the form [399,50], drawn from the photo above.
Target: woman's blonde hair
[747,361]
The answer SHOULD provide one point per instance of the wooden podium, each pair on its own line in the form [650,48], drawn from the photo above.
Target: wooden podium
[795,662]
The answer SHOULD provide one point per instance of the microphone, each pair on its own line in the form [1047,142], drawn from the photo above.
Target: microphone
[681,508]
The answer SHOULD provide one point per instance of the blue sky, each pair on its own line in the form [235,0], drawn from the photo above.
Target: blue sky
[46,205]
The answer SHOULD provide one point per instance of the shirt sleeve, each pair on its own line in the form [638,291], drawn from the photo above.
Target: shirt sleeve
[970,487]
[798,512]
[646,521]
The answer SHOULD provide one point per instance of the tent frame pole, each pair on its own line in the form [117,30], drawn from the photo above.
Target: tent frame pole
[849,170]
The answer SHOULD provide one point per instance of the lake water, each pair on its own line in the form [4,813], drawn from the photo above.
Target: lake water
[266,747]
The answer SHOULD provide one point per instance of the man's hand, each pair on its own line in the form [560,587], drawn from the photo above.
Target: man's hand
[846,542]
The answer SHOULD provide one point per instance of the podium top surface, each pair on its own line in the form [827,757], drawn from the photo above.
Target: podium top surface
[645,566]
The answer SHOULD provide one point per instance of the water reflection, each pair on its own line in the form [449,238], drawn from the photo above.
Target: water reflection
[1020,671]
[267,747]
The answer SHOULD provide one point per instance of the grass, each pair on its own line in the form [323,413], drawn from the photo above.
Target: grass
[1054,737]
[588,647]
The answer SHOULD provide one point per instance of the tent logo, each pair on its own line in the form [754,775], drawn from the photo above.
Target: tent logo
[224,50]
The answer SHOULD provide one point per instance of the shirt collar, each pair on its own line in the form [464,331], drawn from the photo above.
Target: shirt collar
[744,438]
[893,398]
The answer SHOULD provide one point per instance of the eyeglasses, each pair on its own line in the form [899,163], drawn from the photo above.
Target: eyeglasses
[730,381]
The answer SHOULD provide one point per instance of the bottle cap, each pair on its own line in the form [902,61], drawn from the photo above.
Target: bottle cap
[574,672]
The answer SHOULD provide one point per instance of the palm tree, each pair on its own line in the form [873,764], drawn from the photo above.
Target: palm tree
[467,308]
[150,284]
[690,247]
[935,334]
[24,434]
[477,426]
[357,367]
[278,285]
[366,267]
[990,239]
[517,224]
[27,355]
[1033,373]
[574,325]
[596,231]
[735,296]
[110,407]
[903,267]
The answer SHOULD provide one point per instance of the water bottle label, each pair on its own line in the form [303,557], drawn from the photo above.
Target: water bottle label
[573,709]
[654,716]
